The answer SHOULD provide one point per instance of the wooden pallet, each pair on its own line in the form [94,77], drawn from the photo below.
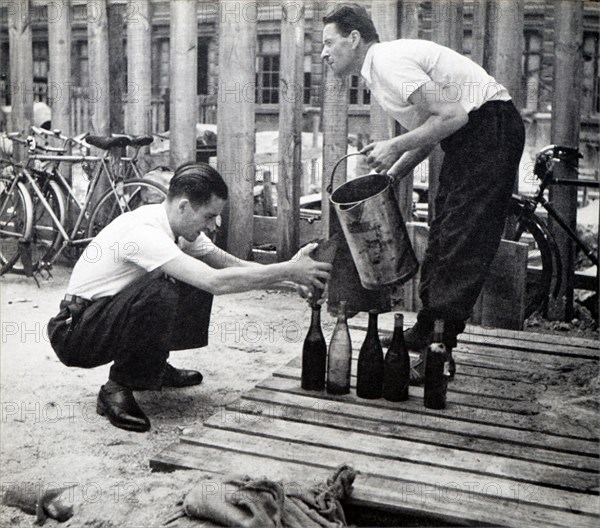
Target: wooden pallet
[492,457]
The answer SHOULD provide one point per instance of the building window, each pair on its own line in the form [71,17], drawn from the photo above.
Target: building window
[358,93]
[267,70]
[82,73]
[532,62]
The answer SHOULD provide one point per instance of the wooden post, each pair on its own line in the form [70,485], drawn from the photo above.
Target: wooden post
[59,52]
[479,31]
[290,129]
[566,118]
[447,30]
[335,140]
[21,69]
[98,91]
[183,80]
[505,26]
[235,119]
[116,69]
[139,71]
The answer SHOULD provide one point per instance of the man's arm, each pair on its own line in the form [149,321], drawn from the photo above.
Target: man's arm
[301,270]
[408,161]
[439,118]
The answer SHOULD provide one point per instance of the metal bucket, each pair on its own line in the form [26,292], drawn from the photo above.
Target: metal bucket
[374,229]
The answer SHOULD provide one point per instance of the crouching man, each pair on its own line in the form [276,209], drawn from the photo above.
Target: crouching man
[149,289]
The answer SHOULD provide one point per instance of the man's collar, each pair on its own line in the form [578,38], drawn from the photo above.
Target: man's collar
[366,67]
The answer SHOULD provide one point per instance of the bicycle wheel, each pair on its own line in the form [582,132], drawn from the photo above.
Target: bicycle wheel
[542,261]
[131,195]
[45,237]
[16,219]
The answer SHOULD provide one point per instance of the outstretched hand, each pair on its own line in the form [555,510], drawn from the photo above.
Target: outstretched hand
[307,271]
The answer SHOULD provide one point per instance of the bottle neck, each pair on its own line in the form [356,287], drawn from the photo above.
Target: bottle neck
[316,316]
[372,328]
[438,331]
[341,317]
[398,336]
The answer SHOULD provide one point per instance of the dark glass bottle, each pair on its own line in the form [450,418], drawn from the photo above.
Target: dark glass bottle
[436,380]
[396,371]
[369,376]
[314,353]
[340,355]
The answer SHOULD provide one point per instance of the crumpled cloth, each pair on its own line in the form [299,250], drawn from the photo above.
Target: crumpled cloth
[263,503]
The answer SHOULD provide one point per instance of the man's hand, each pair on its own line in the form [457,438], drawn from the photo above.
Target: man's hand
[381,155]
[309,272]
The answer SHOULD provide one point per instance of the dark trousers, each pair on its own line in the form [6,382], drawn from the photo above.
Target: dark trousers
[481,161]
[135,329]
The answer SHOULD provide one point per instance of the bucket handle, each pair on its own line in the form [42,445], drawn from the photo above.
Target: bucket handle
[337,164]
[343,158]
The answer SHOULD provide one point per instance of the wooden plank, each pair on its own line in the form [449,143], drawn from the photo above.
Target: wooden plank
[236,120]
[290,450]
[387,322]
[501,303]
[480,385]
[565,130]
[59,54]
[502,343]
[183,76]
[483,423]
[98,64]
[139,72]
[449,505]
[116,67]
[290,129]
[21,69]
[456,397]
[321,434]
[265,230]
[394,423]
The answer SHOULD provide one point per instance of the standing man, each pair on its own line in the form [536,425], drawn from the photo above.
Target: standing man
[146,287]
[440,97]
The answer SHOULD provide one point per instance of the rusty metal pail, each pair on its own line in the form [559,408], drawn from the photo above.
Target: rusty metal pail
[374,229]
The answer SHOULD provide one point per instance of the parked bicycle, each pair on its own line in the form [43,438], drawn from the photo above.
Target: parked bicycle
[35,198]
[544,277]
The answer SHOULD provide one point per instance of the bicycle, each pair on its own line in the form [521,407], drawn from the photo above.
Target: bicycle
[544,275]
[33,204]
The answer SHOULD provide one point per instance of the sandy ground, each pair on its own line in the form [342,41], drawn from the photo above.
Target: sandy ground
[51,435]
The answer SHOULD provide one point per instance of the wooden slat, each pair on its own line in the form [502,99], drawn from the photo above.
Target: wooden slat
[504,344]
[482,423]
[448,504]
[321,434]
[386,322]
[290,450]
[265,230]
[482,402]
[478,386]
[393,424]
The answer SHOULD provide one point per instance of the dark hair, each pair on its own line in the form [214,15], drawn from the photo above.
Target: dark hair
[350,17]
[198,182]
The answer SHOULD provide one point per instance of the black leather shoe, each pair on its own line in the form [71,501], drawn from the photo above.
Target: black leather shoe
[119,406]
[174,377]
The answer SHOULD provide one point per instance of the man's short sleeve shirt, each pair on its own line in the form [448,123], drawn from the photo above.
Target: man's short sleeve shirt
[132,245]
[394,70]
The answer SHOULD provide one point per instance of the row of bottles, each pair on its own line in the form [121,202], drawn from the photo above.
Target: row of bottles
[377,376]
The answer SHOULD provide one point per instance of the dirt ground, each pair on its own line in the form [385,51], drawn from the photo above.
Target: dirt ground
[51,435]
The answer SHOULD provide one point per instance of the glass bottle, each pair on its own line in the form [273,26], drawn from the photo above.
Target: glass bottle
[314,353]
[369,376]
[436,381]
[340,355]
[396,371]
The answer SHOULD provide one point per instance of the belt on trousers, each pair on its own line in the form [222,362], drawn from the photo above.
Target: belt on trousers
[75,299]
